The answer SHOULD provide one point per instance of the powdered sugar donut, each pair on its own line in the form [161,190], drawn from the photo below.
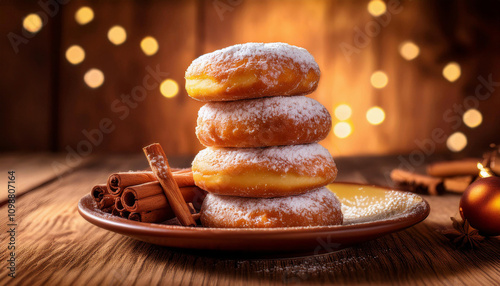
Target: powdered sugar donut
[262,122]
[315,208]
[263,172]
[252,70]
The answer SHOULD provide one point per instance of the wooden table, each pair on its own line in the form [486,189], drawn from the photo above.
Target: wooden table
[54,245]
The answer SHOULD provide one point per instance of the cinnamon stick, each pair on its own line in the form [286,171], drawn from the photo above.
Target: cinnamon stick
[98,192]
[464,167]
[416,182]
[158,215]
[150,196]
[457,184]
[146,204]
[118,205]
[119,181]
[184,178]
[125,214]
[106,201]
[159,165]
[115,212]
[119,210]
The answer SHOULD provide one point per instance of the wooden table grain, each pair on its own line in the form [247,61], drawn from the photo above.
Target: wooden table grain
[55,246]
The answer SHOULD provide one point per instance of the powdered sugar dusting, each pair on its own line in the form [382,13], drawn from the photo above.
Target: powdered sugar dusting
[251,50]
[276,159]
[297,108]
[159,162]
[249,212]
[271,121]
[364,208]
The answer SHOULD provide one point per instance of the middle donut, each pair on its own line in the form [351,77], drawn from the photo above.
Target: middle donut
[262,122]
[263,172]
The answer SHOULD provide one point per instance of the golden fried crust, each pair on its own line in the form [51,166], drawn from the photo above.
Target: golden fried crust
[252,70]
[263,172]
[319,207]
[263,122]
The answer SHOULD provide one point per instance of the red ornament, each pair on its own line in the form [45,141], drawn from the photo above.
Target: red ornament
[480,205]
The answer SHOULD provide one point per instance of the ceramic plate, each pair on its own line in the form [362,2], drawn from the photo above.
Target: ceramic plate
[369,212]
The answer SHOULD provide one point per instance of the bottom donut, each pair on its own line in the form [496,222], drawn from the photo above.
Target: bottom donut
[319,207]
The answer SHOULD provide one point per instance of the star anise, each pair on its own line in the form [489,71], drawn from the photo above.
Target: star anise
[462,235]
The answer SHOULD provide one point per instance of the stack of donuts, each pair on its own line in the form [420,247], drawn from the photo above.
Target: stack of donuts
[262,166]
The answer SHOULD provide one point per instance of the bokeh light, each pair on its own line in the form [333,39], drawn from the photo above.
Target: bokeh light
[84,15]
[169,88]
[32,23]
[456,142]
[149,46]
[75,54]
[343,112]
[117,35]
[94,78]
[342,129]
[376,7]
[472,118]
[379,79]
[409,50]
[375,115]
[452,71]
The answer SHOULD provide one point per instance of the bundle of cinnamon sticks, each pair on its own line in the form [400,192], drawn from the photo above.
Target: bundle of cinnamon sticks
[445,176]
[139,196]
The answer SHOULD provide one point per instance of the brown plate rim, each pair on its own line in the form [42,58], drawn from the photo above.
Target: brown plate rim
[128,227]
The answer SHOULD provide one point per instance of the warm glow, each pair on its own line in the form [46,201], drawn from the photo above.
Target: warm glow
[409,50]
[94,78]
[472,118]
[477,194]
[452,71]
[484,172]
[75,54]
[494,203]
[342,129]
[32,23]
[343,112]
[456,142]
[375,115]
[149,45]
[117,35]
[169,88]
[84,15]
[379,79]
[376,8]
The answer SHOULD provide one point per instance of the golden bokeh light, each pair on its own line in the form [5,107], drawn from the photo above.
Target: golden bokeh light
[456,142]
[169,88]
[75,54]
[342,129]
[343,112]
[375,115]
[472,118]
[94,78]
[32,23]
[149,46]
[84,15]
[117,35]
[452,71]
[376,7]
[379,79]
[409,50]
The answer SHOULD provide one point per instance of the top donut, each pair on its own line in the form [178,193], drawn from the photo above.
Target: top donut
[252,70]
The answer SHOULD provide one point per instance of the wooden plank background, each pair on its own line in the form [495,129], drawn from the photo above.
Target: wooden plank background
[46,107]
